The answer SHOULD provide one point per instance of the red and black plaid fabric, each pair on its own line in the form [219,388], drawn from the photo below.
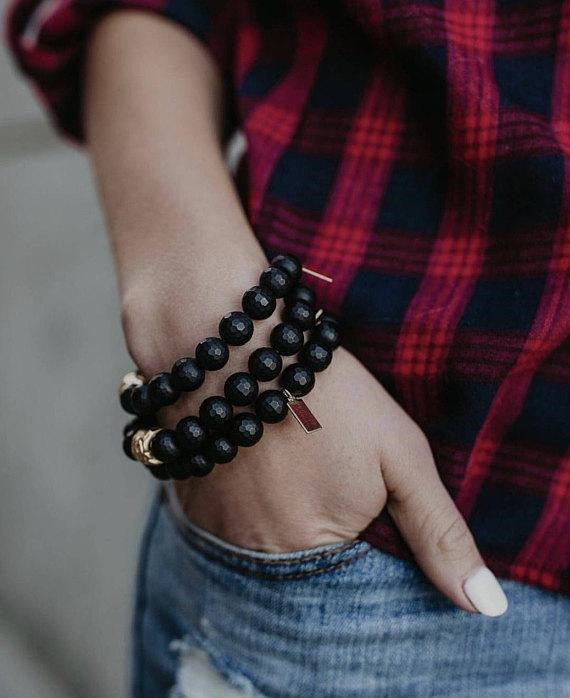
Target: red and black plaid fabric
[419,153]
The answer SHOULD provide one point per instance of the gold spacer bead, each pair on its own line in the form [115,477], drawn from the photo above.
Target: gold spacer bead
[132,378]
[140,447]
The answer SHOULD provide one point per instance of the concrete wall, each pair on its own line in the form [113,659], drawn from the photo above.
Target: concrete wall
[71,506]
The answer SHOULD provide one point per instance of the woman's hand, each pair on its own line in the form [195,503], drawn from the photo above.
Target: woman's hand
[294,490]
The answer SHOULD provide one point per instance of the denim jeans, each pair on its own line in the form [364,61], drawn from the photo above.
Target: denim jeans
[339,621]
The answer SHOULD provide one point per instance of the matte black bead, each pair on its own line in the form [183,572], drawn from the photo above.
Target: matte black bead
[212,353]
[127,443]
[236,328]
[126,400]
[160,472]
[326,334]
[222,449]
[286,338]
[179,469]
[271,406]
[300,314]
[216,414]
[290,264]
[165,446]
[162,391]
[276,280]
[258,302]
[301,292]
[241,389]
[200,464]
[191,433]
[265,364]
[187,375]
[298,379]
[315,356]
[246,429]
[140,400]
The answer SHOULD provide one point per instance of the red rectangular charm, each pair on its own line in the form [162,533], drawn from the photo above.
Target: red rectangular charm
[303,415]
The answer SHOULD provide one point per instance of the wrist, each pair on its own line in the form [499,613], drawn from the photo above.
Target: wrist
[170,302]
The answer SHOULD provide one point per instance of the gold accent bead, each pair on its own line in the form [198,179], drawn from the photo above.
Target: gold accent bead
[140,447]
[132,378]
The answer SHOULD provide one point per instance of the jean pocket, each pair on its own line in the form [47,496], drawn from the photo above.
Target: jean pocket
[278,566]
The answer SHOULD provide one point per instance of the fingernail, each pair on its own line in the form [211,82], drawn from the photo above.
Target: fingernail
[485,593]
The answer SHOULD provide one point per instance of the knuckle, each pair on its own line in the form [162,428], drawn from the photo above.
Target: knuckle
[454,539]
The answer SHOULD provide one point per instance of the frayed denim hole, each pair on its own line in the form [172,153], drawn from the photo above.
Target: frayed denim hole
[204,673]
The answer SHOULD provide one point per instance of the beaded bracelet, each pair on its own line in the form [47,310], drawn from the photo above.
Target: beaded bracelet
[199,442]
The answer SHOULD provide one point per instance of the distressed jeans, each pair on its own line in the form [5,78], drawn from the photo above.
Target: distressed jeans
[213,620]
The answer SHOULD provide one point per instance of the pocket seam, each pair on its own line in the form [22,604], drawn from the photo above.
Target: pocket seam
[268,575]
[215,554]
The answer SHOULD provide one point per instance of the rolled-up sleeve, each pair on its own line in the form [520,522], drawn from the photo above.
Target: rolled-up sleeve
[47,39]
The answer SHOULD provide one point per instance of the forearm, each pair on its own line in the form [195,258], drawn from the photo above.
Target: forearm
[153,121]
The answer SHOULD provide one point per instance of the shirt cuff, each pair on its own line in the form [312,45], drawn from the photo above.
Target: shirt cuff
[47,39]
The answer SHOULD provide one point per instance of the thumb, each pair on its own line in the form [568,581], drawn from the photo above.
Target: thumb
[437,533]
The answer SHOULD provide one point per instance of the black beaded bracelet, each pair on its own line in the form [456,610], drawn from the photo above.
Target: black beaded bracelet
[215,436]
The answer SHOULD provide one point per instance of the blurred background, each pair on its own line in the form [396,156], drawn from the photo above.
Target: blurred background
[71,505]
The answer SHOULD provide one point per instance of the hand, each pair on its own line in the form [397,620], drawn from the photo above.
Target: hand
[294,491]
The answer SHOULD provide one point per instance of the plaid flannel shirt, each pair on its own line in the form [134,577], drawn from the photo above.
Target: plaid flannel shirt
[419,153]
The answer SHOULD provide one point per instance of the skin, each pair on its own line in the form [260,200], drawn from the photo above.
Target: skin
[184,254]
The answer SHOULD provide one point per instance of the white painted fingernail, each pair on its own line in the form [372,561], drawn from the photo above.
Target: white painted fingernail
[485,592]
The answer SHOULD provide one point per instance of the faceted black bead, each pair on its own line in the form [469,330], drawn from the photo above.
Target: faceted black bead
[187,375]
[271,406]
[126,400]
[276,280]
[222,449]
[298,379]
[327,334]
[212,353]
[200,464]
[236,328]
[241,389]
[179,469]
[286,338]
[246,429]
[162,391]
[265,364]
[290,264]
[315,356]
[127,443]
[303,293]
[140,400]
[216,414]
[258,302]
[192,435]
[300,314]
[165,446]
[160,472]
